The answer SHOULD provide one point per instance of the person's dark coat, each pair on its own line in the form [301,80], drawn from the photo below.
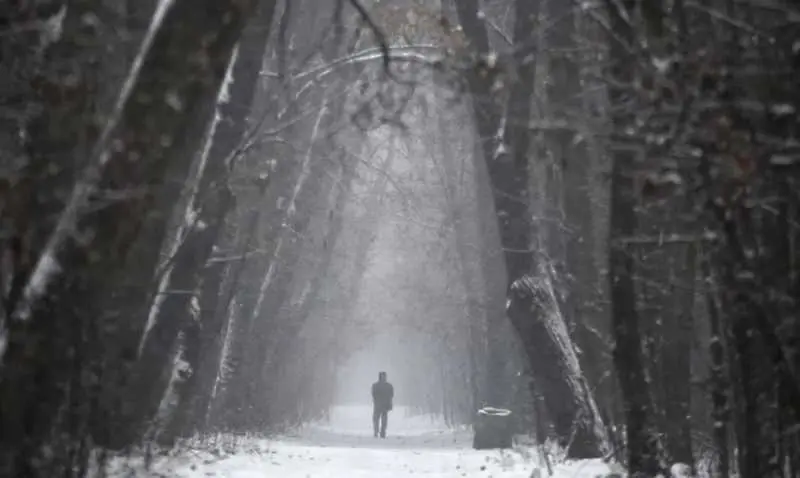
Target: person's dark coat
[382,395]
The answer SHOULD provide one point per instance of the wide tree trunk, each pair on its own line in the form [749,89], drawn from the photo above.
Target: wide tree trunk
[57,311]
[211,205]
[556,373]
[51,140]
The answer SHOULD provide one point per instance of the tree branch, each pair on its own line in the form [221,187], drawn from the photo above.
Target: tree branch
[383,42]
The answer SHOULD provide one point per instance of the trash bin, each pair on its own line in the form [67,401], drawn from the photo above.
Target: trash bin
[493,429]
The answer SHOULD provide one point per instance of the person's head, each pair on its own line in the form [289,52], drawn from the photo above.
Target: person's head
[381,376]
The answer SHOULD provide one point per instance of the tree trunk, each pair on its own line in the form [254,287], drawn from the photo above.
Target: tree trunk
[544,337]
[675,358]
[642,440]
[52,138]
[290,324]
[568,150]
[216,310]
[74,271]
[139,15]
[641,437]
[568,401]
[719,385]
[255,321]
[211,204]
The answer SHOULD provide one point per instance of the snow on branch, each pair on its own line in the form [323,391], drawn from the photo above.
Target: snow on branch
[662,239]
[412,54]
[379,35]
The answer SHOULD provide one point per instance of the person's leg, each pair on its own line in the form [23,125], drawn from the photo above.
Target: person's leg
[375,418]
[384,420]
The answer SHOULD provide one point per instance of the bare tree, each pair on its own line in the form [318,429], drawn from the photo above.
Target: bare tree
[122,166]
[551,357]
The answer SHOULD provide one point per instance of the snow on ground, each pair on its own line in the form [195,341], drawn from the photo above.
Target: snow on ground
[345,448]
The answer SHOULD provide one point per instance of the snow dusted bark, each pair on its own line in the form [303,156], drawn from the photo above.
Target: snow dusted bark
[315,259]
[533,307]
[300,182]
[290,213]
[139,16]
[54,134]
[220,285]
[643,444]
[263,299]
[33,198]
[567,148]
[209,207]
[263,327]
[26,37]
[556,374]
[203,337]
[87,251]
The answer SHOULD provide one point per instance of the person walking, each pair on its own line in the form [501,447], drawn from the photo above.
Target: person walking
[382,396]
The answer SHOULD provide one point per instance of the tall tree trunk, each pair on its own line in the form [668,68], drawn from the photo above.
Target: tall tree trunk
[675,358]
[257,323]
[38,370]
[211,205]
[74,270]
[290,323]
[642,441]
[217,294]
[568,150]
[466,242]
[551,357]
[754,260]
[665,282]
[139,16]
[641,437]
[719,384]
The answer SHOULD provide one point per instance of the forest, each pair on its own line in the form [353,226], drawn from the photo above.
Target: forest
[219,219]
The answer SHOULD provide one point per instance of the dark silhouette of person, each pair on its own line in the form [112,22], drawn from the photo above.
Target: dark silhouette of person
[382,396]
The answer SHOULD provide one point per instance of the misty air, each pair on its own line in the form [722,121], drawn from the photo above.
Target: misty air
[395,238]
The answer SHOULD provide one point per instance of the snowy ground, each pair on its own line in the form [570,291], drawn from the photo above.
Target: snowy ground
[345,447]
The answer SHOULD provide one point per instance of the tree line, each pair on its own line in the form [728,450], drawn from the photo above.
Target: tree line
[180,189]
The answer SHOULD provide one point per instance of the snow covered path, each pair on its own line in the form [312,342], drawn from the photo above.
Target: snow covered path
[345,448]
